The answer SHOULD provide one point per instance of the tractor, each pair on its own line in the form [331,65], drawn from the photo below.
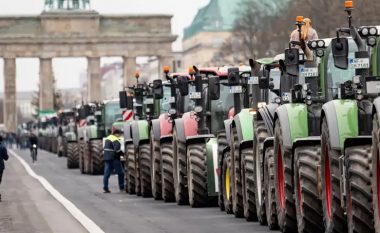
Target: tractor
[66,131]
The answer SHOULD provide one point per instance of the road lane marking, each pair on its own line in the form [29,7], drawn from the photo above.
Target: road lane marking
[85,221]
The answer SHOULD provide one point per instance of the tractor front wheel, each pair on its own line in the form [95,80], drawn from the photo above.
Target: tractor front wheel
[156,169]
[286,210]
[359,199]
[222,144]
[269,190]
[180,171]
[308,204]
[237,189]
[145,170]
[376,171]
[72,155]
[96,153]
[227,184]
[167,160]
[131,168]
[248,184]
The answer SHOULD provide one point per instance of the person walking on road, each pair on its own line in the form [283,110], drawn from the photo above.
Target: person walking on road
[112,153]
[3,157]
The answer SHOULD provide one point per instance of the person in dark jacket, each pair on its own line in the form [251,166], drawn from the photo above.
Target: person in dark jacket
[3,157]
[112,153]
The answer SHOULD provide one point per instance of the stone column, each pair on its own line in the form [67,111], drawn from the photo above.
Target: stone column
[10,110]
[94,79]
[164,61]
[46,85]
[129,71]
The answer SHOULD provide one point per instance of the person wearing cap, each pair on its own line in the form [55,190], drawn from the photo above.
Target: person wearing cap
[3,157]
[112,152]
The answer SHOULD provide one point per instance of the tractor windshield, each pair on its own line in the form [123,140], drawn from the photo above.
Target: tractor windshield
[165,102]
[112,113]
[336,76]
[221,107]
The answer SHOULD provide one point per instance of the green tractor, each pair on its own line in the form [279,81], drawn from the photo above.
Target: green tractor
[238,193]
[66,131]
[137,137]
[97,122]
[48,132]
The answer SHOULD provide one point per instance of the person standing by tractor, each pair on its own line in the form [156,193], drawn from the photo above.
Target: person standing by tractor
[3,157]
[112,153]
[308,33]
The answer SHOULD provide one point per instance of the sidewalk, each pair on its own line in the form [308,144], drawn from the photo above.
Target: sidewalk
[28,207]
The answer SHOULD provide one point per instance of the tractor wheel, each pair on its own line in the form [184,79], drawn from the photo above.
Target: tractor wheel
[86,158]
[260,134]
[333,215]
[137,172]
[227,184]
[197,175]
[180,171]
[131,168]
[145,162]
[81,156]
[96,153]
[60,145]
[168,193]
[376,172]
[237,189]
[286,209]
[269,190]
[222,143]
[248,184]
[65,143]
[72,155]
[359,198]
[308,204]
[156,169]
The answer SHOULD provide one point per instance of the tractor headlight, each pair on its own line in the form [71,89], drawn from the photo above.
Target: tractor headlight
[321,43]
[371,41]
[373,31]
[198,109]
[313,44]
[365,31]
[261,104]
[320,53]
[356,79]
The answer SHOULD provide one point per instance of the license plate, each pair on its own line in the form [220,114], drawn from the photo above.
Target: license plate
[236,89]
[309,72]
[171,100]
[253,80]
[359,63]
[195,95]
[148,101]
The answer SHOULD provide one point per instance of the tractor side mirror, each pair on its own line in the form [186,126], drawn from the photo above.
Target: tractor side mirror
[214,87]
[339,48]
[292,61]
[264,79]
[182,84]
[158,89]
[233,76]
[123,99]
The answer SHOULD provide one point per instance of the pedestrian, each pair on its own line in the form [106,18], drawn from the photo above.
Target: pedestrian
[308,33]
[111,156]
[3,157]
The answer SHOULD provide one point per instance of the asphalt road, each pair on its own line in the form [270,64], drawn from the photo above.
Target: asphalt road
[124,213]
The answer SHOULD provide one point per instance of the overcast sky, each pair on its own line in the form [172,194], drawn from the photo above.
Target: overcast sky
[67,70]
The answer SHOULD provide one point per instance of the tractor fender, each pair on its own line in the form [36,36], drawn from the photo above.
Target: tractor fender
[376,106]
[167,138]
[191,128]
[308,141]
[166,126]
[227,127]
[71,136]
[266,114]
[243,122]
[212,166]
[342,121]
[91,132]
[156,129]
[140,131]
[198,138]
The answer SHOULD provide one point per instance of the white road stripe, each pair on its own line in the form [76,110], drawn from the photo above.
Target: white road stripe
[86,222]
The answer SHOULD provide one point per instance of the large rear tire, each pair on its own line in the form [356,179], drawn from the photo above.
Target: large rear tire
[96,153]
[227,183]
[180,171]
[145,170]
[222,144]
[131,168]
[168,192]
[308,204]
[359,199]
[237,189]
[197,175]
[286,209]
[376,171]
[248,184]
[333,215]
[260,134]
[156,169]
[72,155]
[270,190]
